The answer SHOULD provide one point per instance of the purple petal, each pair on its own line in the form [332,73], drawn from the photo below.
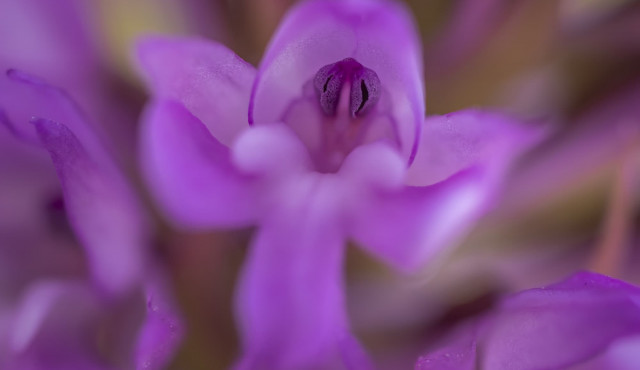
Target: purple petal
[378,34]
[25,97]
[458,354]
[190,172]
[624,354]
[49,328]
[35,237]
[562,324]
[210,80]
[162,331]
[270,151]
[62,43]
[472,23]
[54,40]
[101,206]
[559,326]
[608,129]
[407,227]
[375,165]
[290,301]
[463,139]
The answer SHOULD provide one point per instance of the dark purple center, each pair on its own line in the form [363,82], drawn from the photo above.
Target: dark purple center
[365,86]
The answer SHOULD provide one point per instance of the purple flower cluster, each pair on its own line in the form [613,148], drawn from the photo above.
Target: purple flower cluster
[325,143]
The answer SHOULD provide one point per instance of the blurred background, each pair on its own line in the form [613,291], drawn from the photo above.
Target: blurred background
[570,204]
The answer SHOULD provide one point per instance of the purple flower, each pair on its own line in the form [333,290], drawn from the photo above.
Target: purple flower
[588,321]
[47,302]
[336,149]
[56,321]
[68,324]
[102,207]
[51,318]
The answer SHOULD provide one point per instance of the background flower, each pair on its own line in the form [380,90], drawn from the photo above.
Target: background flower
[586,321]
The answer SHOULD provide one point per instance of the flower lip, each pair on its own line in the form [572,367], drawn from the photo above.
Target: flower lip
[365,86]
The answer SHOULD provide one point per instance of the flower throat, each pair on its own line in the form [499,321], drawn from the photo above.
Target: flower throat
[364,89]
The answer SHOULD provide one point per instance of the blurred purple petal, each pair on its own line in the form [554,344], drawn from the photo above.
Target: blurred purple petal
[578,153]
[162,330]
[559,326]
[25,97]
[378,34]
[190,171]
[472,23]
[52,327]
[101,207]
[291,284]
[470,138]
[457,354]
[271,151]
[210,80]
[34,239]
[409,226]
[56,40]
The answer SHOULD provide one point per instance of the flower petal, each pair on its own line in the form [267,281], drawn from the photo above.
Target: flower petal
[162,330]
[290,301]
[211,81]
[555,327]
[408,226]
[49,328]
[270,151]
[459,140]
[378,34]
[458,354]
[25,97]
[190,172]
[374,165]
[538,328]
[470,26]
[102,209]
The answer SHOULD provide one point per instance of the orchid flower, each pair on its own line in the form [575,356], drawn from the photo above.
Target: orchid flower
[52,325]
[588,321]
[56,321]
[326,142]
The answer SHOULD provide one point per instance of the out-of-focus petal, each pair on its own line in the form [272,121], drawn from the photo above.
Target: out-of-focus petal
[408,226]
[35,239]
[624,354]
[559,326]
[290,299]
[62,43]
[190,172]
[24,97]
[162,330]
[211,81]
[471,24]
[458,354]
[463,139]
[577,154]
[270,151]
[562,324]
[376,165]
[101,207]
[378,34]
[54,40]
[49,328]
